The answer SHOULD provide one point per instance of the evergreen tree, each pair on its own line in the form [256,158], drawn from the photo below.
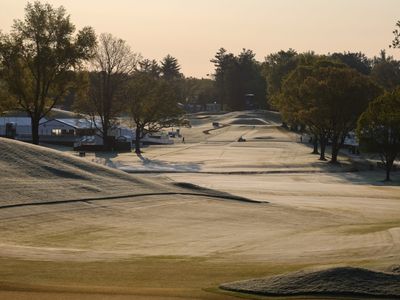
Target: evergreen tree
[170,68]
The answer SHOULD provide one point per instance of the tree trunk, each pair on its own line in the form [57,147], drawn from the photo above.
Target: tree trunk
[106,138]
[387,174]
[335,150]
[35,130]
[322,142]
[388,167]
[137,140]
[315,144]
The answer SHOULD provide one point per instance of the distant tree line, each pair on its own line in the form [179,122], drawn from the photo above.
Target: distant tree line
[235,76]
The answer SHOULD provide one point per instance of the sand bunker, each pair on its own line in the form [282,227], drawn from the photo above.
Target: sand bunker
[344,281]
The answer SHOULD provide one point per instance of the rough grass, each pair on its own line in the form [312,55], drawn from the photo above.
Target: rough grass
[161,276]
[342,281]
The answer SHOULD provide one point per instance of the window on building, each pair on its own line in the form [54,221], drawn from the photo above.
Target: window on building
[85,131]
[56,131]
[67,132]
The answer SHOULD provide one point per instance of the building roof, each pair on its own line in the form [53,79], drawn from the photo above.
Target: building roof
[21,121]
[77,123]
[55,113]
[66,117]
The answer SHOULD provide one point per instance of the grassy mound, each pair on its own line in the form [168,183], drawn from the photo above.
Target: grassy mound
[38,174]
[34,175]
[343,281]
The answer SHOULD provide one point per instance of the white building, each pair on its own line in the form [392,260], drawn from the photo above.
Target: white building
[59,127]
[68,128]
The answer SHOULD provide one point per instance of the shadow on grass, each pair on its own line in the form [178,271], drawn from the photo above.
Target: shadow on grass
[356,169]
[105,158]
[160,165]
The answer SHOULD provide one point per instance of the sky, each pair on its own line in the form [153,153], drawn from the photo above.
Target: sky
[193,30]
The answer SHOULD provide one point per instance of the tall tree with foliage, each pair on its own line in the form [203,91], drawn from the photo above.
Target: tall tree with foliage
[251,77]
[150,67]
[298,109]
[39,56]
[277,67]
[111,67]
[386,71]
[234,96]
[228,82]
[379,128]
[355,60]
[236,76]
[328,98]
[170,68]
[198,91]
[343,94]
[7,100]
[152,105]
[220,61]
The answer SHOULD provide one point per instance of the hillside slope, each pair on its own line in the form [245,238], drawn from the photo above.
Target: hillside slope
[35,175]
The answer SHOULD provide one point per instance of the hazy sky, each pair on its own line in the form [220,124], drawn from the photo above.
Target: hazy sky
[193,30]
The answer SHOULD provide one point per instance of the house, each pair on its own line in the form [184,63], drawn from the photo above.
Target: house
[58,127]
[65,131]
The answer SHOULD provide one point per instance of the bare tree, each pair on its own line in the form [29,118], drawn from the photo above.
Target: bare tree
[113,64]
